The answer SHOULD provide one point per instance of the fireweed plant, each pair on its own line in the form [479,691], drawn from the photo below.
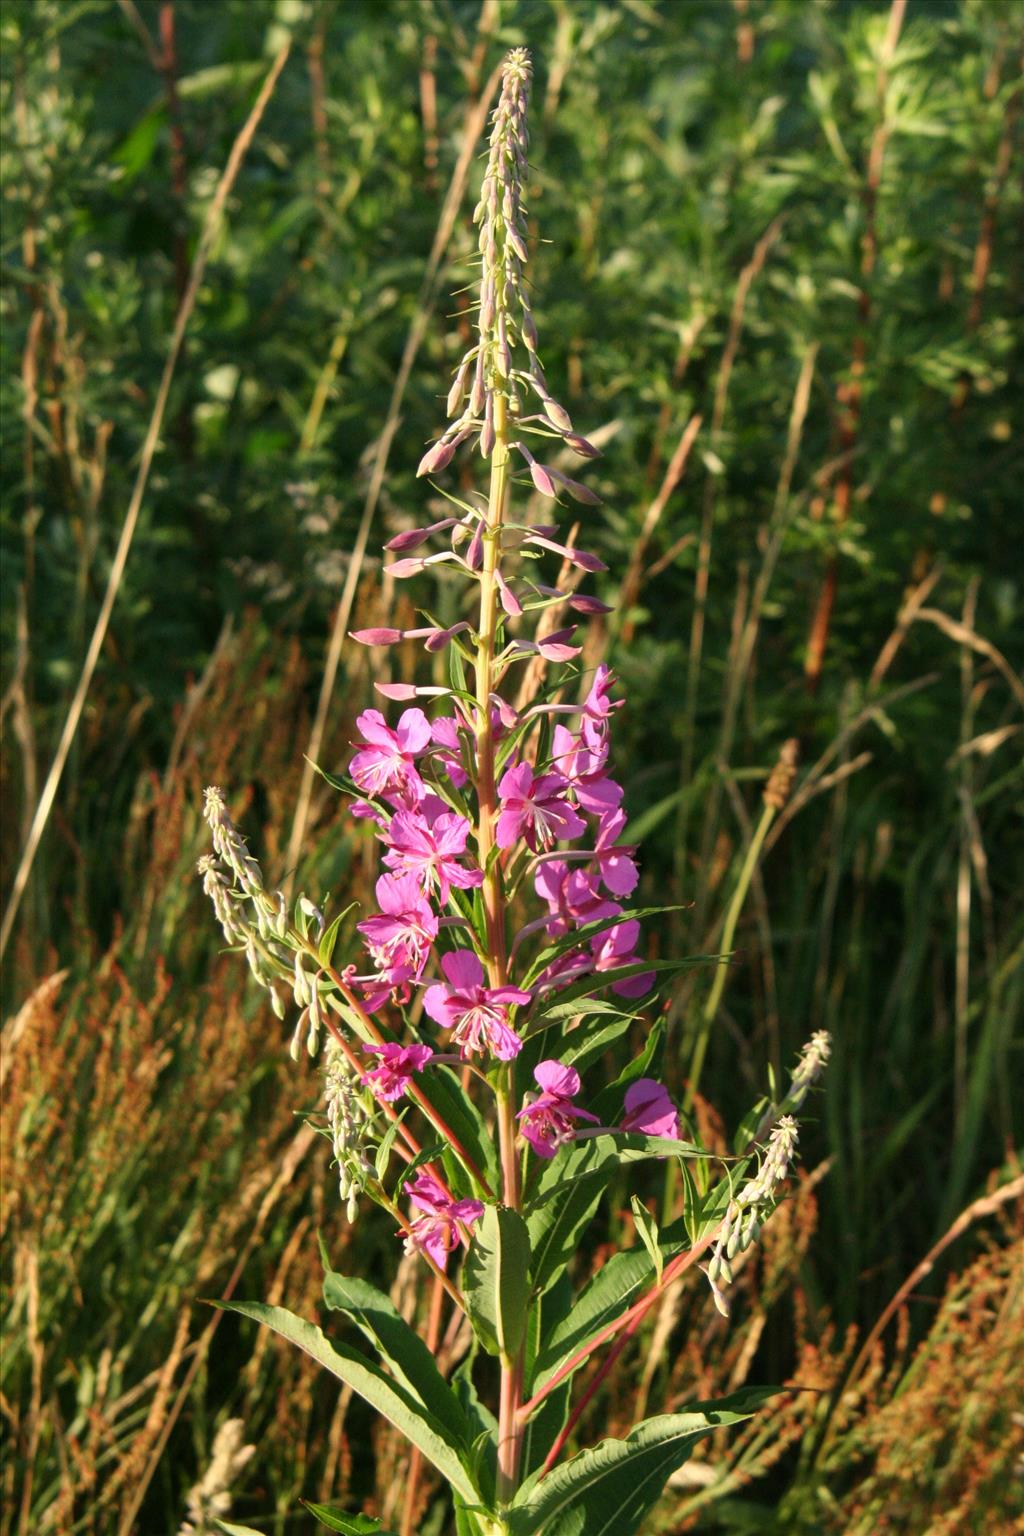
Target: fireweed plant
[456,1052]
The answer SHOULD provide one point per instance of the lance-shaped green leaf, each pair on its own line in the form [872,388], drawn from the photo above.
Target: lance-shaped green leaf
[570,1187]
[495,1280]
[325,949]
[236,1530]
[545,1424]
[608,1490]
[404,1351]
[616,1286]
[390,1399]
[647,1230]
[349,1525]
[598,1156]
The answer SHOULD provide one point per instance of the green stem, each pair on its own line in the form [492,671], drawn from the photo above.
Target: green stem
[739,896]
[493,898]
[509,1428]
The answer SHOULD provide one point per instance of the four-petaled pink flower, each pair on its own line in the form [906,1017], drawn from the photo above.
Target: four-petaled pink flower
[572,896]
[387,763]
[617,866]
[477,1014]
[399,937]
[583,768]
[443,1226]
[614,950]
[548,1119]
[398,1063]
[534,809]
[431,851]
[650,1110]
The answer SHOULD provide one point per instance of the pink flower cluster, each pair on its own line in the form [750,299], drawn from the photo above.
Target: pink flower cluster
[560,821]
[582,887]
[443,1223]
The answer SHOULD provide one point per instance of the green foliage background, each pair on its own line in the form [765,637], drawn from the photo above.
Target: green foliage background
[669,137]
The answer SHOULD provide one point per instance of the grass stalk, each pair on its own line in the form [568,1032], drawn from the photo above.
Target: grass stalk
[710,1010]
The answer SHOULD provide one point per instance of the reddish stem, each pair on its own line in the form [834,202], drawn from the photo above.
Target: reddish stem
[673,1270]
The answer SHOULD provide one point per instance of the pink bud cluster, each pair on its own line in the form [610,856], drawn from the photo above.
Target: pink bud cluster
[503,360]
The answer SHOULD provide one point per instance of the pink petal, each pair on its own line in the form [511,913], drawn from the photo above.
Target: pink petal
[462,968]
[553,1077]
[375,636]
[414,731]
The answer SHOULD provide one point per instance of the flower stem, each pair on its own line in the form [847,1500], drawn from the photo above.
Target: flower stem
[497,963]
[509,1428]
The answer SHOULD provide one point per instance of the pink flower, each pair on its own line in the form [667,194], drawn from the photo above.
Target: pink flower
[534,809]
[617,948]
[445,1221]
[572,896]
[617,866]
[598,706]
[650,1110]
[400,935]
[583,768]
[386,763]
[431,851]
[444,732]
[548,1119]
[477,1014]
[398,1063]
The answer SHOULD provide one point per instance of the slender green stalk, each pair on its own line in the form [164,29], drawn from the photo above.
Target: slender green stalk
[739,896]
[509,1429]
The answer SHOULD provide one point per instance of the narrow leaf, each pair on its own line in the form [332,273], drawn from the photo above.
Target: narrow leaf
[325,949]
[388,1397]
[349,1525]
[495,1280]
[608,1490]
[403,1350]
[647,1229]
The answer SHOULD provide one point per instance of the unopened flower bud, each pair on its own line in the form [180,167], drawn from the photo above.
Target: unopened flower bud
[458,389]
[557,415]
[436,458]
[541,478]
